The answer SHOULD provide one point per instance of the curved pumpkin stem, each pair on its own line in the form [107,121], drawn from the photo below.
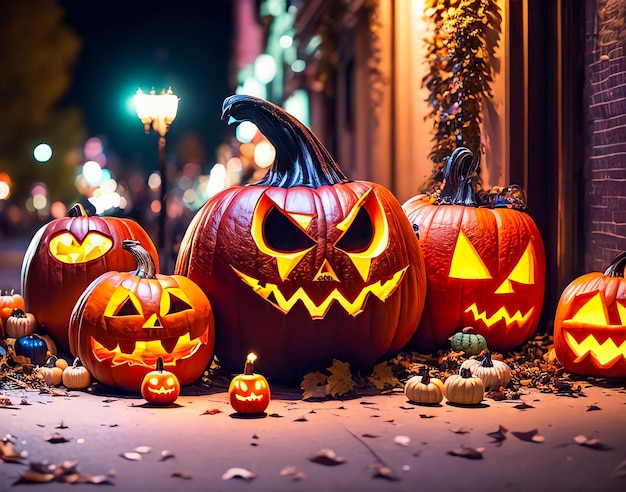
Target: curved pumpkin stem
[18,313]
[159,364]
[145,264]
[76,210]
[425,375]
[616,268]
[487,362]
[465,373]
[75,363]
[460,172]
[301,159]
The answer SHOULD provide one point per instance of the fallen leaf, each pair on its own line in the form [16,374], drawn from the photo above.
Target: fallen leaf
[143,449]
[57,438]
[407,408]
[499,435]
[384,471]
[591,443]
[529,436]
[382,376]
[460,430]
[402,440]
[314,385]
[340,380]
[61,426]
[131,456]
[211,411]
[469,453]
[368,435]
[326,457]
[301,419]
[620,470]
[238,473]
[8,453]
[424,416]
[591,408]
[293,472]
[522,406]
[185,475]
[275,415]
[166,455]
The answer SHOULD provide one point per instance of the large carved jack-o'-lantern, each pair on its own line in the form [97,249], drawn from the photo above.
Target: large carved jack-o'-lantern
[305,266]
[485,265]
[125,321]
[65,255]
[590,323]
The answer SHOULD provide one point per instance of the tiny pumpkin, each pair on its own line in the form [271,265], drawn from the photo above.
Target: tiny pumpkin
[33,348]
[20,324]
[9,301]
[464,388]
[76,376]
[424,389]
[493,373]
[160,387]
[51,373]
[467,341]
[249,392]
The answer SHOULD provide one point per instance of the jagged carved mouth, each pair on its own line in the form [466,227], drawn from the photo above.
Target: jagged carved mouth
[146,352]
[250,397]
[606,346]
[501,314]
[161,391]
[271,293]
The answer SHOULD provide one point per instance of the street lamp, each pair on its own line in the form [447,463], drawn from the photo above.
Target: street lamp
[157,111]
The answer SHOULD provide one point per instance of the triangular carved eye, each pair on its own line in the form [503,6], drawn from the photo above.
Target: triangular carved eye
[127,308]
[359,234]
[466,262]
[282,235]
[177,305]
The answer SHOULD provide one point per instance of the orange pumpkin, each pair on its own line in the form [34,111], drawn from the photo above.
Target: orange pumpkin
[485,266]
[125,321]
[306,265]
[65,255]
[590,323]
[8,302]
[160,387]
[249,392]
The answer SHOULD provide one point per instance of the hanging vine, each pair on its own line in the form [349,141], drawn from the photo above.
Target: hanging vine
[460,53]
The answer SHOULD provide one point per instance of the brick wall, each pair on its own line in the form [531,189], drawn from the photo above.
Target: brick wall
[605,168]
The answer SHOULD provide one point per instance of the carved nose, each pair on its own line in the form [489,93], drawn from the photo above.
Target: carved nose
[326,273]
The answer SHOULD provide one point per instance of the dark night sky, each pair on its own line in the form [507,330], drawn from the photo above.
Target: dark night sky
[184,44]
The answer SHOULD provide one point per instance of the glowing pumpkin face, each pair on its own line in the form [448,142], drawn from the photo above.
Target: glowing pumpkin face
[590,323]
[65,255]
[249,392]
[304,266]
[124,322]
[160,387]
[485,268]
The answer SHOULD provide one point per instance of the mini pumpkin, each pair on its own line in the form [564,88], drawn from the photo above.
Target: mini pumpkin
[9,300]
[160,387]
[424,389]
[467,341]
[124,321]
[76,376]
[65,255]
[32,348]
[306,265]
[464,388]
[249,392]
[493,373]
[20,324]
[51,373]
[485,264]
[590,323]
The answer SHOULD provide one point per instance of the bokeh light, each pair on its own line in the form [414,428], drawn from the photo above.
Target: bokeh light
[42,152]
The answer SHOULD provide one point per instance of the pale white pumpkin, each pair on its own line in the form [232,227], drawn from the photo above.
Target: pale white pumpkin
[493,373]
[424,389]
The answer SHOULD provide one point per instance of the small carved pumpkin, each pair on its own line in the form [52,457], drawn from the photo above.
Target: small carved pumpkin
[464,388]
[467,341]
[493,373]
[590,323]
[20,324]
[485,264]
[160,387]
[424,389]
[249,392]
[124,321]
[65,255]
[76,376]
[306,265]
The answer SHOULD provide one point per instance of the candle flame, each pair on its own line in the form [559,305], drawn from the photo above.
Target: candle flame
[251,358]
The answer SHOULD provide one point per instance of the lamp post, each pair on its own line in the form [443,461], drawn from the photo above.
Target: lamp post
[157,111]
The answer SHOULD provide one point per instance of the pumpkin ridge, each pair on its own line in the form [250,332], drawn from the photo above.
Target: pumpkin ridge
[301,159]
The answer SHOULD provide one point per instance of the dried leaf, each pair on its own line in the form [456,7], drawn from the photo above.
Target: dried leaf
[460,430]
[591,408]
[314,385]
[185,475]
[620,470]
[238,473]
[499,435]
[368,435]
[382,376]
[61,426]
[402,440]
[326,457]
[469,453]
[275,415]
[425,416]
[143,449]
[293,472]
[8,453]
[384,471]
[301,419]
[522,406]
[57,438]
[530,436]
[166,455]
[340,380]
[131,456]
[32,476]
